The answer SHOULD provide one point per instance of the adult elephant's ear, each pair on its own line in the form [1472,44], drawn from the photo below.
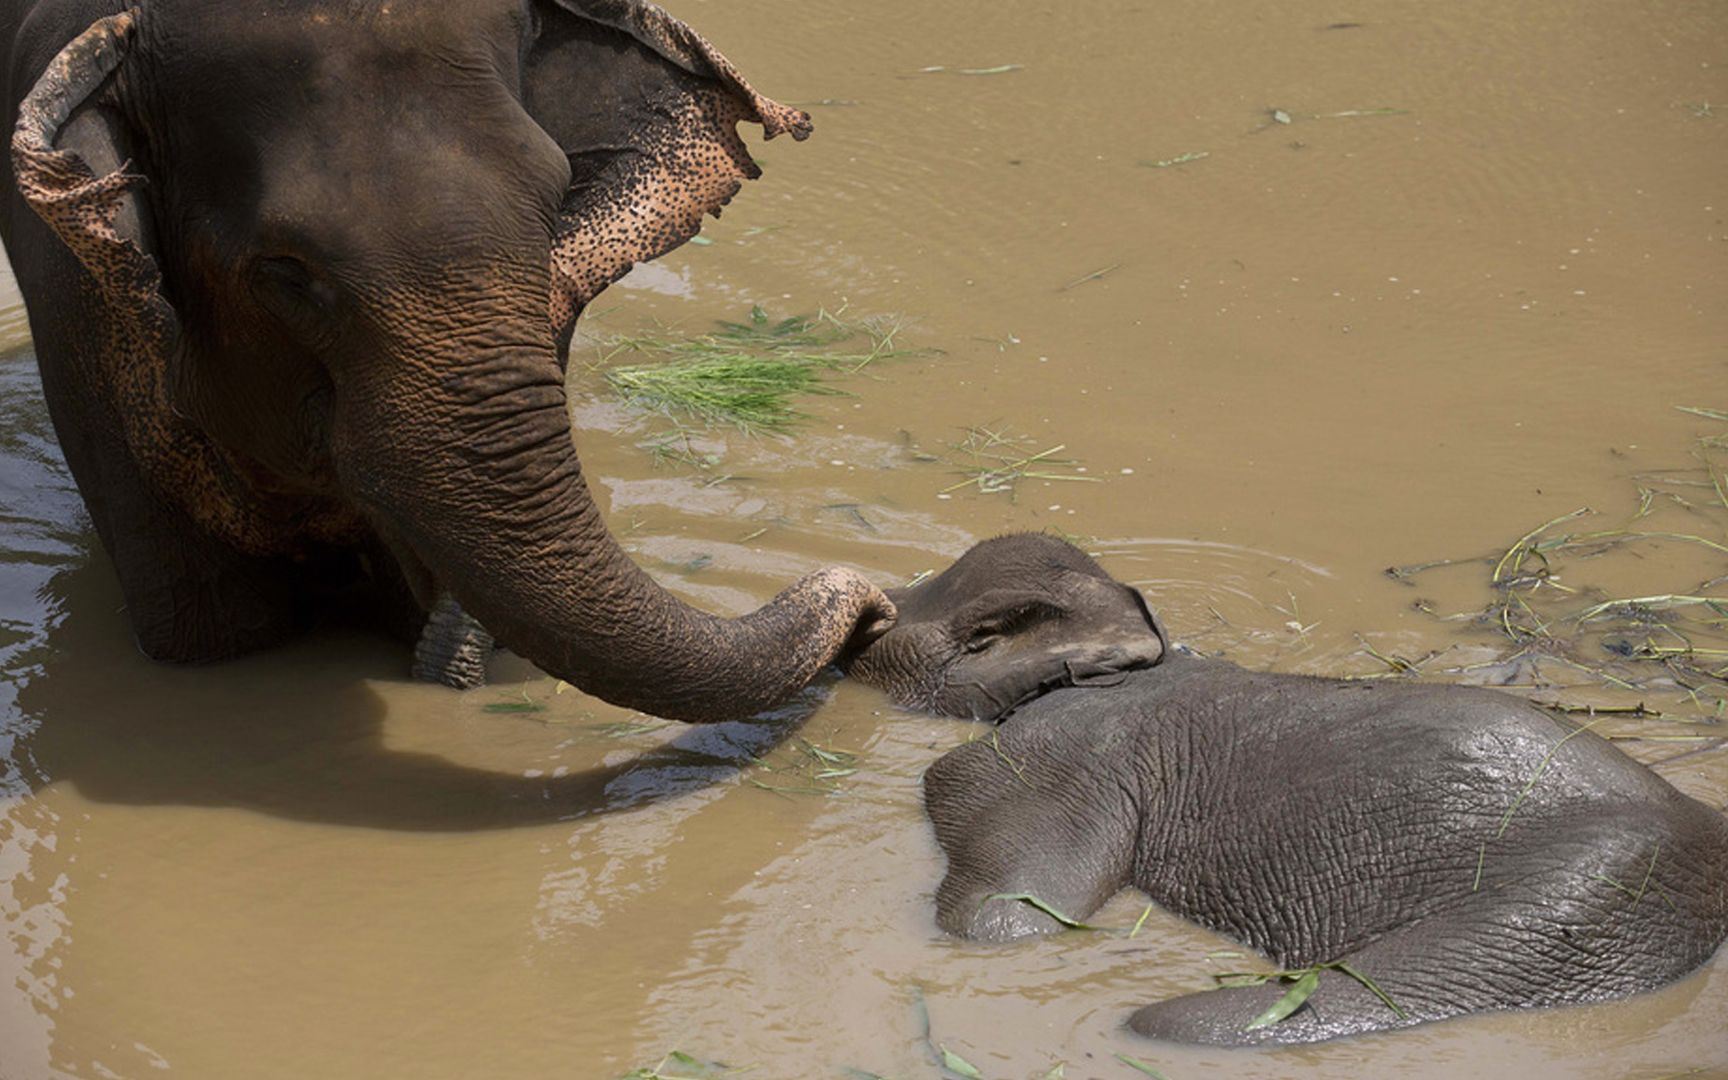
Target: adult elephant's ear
[71,160]
[647,111]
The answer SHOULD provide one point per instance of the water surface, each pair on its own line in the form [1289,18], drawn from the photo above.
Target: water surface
[1354,339]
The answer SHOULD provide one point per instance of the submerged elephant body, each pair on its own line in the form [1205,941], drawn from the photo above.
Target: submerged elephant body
[301,279]
[1461,849]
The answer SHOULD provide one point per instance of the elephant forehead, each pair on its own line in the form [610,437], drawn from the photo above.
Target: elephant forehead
[251,64]
[322,122]
[287,38]
[245,72]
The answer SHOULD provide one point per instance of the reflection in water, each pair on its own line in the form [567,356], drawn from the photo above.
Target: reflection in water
[1355,340]
[304,737]
[40,534]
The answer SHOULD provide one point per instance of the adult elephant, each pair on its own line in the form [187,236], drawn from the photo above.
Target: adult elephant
[1420,851]
[302,278]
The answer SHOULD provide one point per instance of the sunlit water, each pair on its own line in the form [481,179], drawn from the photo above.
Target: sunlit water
[1325,347]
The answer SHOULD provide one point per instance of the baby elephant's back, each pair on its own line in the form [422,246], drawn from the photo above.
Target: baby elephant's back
[1306,815]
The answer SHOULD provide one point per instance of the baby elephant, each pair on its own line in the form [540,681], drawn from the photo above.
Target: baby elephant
[1428,850]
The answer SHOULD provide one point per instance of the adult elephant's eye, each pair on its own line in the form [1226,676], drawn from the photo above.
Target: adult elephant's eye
[289,290]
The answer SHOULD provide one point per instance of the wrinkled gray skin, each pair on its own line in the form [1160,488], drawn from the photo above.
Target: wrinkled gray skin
[301,278]
[1014,617]
[1464,850]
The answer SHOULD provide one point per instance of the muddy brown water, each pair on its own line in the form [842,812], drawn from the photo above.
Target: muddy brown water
[1327,346]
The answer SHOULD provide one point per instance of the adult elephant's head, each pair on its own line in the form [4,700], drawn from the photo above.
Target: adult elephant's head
[340,247]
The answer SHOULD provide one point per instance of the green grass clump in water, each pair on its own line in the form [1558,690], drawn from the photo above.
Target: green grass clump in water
[1000,460]
[1555,625]
[753,394]
[746,374]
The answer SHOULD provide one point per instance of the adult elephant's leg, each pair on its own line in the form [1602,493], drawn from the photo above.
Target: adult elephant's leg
[453,647]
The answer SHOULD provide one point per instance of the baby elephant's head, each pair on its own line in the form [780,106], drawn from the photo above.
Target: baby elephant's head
[1014,617]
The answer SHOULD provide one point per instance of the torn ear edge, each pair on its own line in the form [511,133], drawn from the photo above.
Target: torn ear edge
[71,163]
[689,162]
[677,42]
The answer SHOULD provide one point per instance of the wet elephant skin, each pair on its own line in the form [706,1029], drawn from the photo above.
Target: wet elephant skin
[301,280]
[1459,849]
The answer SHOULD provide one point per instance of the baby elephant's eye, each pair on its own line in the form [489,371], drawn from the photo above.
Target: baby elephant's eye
[1004,621]
[982,639]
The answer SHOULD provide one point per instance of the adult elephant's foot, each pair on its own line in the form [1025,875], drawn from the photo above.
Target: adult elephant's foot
[453,647]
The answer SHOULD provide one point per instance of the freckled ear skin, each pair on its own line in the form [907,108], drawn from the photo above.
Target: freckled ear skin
[188,535]
[645,108]
[102,220]
[73,163]
[651,135]
[290,268]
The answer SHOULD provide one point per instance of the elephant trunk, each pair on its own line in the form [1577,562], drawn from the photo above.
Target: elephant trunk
[467,461]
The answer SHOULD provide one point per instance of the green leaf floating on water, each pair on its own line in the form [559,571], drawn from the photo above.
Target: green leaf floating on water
[513,707]
[702,1069]
[958,1065]
[1033,901]
[1372,986]
[1292,1000]
[1136,1063]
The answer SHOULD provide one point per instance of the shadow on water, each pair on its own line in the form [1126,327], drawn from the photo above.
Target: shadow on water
[300,733]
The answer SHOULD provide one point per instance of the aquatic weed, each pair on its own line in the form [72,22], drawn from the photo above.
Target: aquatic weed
[744,374]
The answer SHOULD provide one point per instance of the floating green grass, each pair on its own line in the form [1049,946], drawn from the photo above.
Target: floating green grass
[753,394]
[1302,984]
[1033,901]
[677,1065]
[1099,273]
[744,374]
[1670,646]
[958,1065]
[943,69]
[997,460]
[1395,664]
[513,707]
[803,767]
[1179,159]
[950,1063]
[1141,921]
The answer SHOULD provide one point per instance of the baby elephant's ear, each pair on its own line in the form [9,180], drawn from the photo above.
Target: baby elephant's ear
[1153,622]
[1001,613]
[646,111]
